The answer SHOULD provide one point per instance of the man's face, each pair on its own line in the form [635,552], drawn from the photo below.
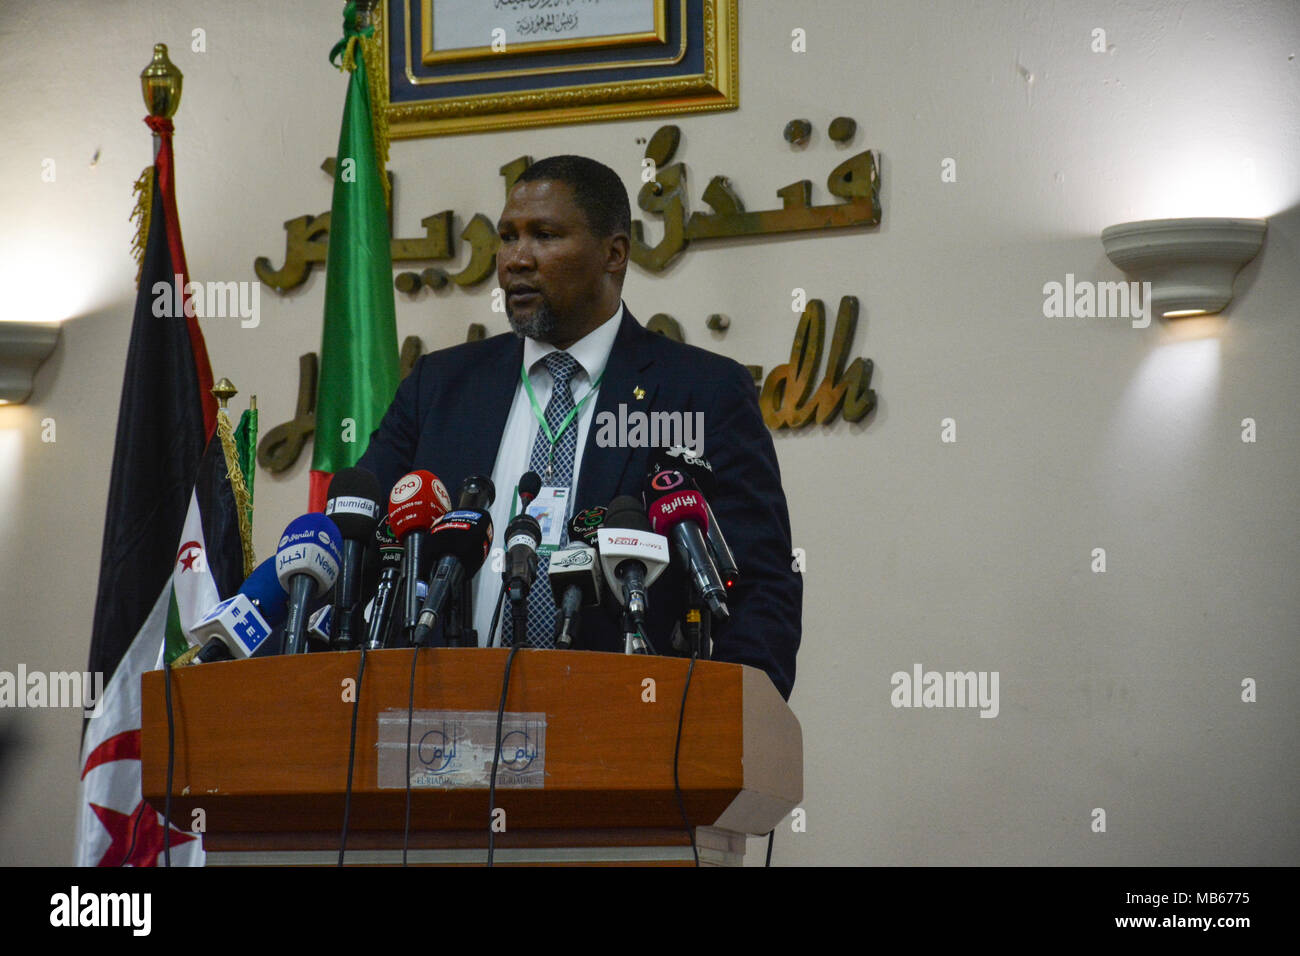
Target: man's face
[554,271]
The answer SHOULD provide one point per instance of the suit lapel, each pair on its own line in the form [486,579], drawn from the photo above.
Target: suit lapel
[628,369]
[483,414]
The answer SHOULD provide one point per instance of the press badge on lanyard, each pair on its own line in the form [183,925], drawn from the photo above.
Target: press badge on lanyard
[551,506]
[551,509]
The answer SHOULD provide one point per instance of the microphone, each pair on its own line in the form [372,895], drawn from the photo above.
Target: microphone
[575,576]
[320,626]
[307,562]
[632,557]
[585,525]
[677,508]
[697,468]
[523,538]
[460,540]
[235,628]
[575,579]
[529,485]
[354,505]
[417,501]
[477,491]
[390,576]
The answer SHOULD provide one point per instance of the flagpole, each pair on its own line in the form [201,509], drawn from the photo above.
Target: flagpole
[224,391]
[160,83]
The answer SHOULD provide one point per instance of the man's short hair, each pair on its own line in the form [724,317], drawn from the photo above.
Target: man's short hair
[597,190]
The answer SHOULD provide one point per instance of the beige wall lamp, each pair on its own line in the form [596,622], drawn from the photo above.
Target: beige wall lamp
[1190,263]
[24,347]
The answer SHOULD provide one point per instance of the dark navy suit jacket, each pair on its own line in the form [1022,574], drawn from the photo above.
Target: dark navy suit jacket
[449,414]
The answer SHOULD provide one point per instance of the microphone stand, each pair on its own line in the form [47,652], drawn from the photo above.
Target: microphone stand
[468,635]
[393,635]
[697,628]
[459,615]
[633,642]
[519,620]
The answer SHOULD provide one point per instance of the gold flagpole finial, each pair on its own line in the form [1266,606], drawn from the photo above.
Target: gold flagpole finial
[224,391]
[160,82]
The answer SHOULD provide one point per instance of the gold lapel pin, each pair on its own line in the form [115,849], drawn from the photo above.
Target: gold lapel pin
[639,392]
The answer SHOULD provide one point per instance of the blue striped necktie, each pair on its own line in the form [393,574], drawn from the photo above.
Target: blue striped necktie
[541,605]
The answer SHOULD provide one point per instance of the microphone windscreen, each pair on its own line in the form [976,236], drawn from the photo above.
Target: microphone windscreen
[264,589]
[530,485]
[696,467]
[670,510]
[390,549]
[626,512]
[464,534]
[355,502]
[476,491]
[310,545]
[659,483]
[584,525]
[417,501]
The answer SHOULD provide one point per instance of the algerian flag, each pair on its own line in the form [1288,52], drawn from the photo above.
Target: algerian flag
[359,368]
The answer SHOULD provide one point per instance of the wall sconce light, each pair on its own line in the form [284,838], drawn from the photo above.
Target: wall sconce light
[1190,263]
[24,347]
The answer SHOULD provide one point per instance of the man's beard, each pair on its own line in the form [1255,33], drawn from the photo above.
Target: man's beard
[540,325]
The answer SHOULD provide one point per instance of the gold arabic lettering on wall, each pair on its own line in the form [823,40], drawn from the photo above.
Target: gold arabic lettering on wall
[855,183]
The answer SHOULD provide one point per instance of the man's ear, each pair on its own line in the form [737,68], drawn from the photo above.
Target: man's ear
[617,252]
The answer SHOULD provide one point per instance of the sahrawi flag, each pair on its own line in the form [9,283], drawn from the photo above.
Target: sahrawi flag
[167,552]
[358,354]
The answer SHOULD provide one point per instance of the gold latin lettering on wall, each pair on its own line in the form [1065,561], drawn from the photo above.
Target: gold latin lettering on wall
[855,183]
[787,399]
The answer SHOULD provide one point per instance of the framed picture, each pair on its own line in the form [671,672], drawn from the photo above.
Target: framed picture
[458,66]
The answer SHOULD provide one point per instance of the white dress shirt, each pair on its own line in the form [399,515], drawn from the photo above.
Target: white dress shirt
[515,452]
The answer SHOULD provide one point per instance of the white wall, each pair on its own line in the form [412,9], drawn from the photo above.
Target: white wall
[1118,690]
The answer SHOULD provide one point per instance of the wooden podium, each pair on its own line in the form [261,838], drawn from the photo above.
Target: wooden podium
[587,760]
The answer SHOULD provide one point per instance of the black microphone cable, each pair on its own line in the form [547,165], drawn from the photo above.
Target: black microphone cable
[496,754]
[677,750]
[501,708]
[352,753]
[171,762]
[410,717]
[496,615]
[135,828]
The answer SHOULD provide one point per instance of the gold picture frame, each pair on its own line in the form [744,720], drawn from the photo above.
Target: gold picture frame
[430,56]
[692,65]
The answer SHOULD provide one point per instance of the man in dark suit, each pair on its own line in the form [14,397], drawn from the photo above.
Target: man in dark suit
[477,408]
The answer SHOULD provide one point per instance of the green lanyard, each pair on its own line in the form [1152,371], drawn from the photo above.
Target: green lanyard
[564,425]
